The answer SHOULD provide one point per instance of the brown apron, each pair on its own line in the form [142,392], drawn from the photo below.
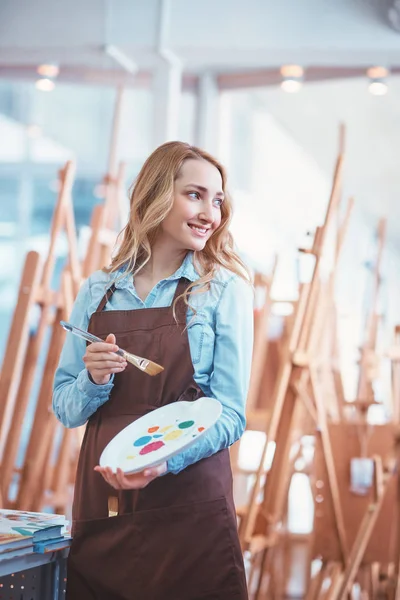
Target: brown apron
[177,538]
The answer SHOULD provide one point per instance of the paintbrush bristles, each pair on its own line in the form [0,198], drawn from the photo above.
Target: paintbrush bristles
[153,368]
[144,364]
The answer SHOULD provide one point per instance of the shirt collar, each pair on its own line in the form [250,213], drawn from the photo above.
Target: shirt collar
[187,270]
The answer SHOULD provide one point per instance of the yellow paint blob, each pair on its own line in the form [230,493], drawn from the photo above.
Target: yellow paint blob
[173,435]
[165,428]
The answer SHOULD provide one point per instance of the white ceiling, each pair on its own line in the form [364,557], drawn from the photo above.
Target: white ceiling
[211,34]
[312,118]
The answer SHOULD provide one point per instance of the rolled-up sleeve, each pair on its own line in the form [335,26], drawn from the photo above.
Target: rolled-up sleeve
[75,396]
[230,377]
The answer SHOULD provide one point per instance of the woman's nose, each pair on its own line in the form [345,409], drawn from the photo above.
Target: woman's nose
[206,214]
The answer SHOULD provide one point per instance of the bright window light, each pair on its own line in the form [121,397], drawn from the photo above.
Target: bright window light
[251,448]
[301,505]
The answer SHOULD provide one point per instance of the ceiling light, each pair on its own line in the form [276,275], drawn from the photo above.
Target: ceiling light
[291,85]
[377,84]
[377,72]
[295,71]
[48,70]
[45,84]
[292,78]
[378,88]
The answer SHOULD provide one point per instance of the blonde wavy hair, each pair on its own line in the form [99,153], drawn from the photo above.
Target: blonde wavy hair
[151,199]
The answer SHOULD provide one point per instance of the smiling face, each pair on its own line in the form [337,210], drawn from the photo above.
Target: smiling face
[196,210]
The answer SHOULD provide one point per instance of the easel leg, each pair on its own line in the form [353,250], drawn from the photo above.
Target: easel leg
[261,573]
[317,581]
[358,549]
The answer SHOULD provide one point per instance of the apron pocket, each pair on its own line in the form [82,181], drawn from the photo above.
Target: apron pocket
[186,553]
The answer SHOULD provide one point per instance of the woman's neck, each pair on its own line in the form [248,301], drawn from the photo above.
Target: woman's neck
[163,263]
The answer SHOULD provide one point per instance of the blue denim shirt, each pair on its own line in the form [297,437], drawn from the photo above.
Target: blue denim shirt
[220,339]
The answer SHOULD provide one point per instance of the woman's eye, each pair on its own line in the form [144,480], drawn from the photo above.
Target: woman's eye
[218,201]
[195,194]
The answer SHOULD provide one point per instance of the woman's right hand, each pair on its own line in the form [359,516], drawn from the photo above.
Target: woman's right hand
[101,361]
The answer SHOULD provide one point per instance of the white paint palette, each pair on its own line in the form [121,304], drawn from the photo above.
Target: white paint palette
[159,435]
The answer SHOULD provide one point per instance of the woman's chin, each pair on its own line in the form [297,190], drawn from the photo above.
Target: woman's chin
[197,245]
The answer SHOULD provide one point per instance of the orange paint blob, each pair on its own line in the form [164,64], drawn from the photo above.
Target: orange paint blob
[201,428]
[153,429]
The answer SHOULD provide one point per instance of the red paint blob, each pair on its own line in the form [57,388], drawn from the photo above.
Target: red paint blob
[152,447]
[201,428]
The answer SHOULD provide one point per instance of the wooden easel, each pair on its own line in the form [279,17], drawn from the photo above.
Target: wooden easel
[351,546]
[298,378]
[35,289]
[394,355]
[369,358]
[256,417]
[59,473]
[369,520]
[43,480]
[105,224]
[367,515]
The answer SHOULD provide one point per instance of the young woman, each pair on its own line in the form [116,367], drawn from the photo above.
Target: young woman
[175,293]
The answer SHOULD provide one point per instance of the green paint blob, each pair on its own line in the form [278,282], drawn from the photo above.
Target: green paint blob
[185,424]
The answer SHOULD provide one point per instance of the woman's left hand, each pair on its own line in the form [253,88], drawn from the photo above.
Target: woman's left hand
[136,481]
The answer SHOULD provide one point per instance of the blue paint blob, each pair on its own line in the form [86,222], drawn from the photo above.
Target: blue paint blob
[142,441]
[157,435]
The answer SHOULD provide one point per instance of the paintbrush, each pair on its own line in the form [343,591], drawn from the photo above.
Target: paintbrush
[144,364]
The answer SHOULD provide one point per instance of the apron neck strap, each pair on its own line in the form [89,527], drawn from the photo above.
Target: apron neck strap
[106,298]
[181,306]
[183,283]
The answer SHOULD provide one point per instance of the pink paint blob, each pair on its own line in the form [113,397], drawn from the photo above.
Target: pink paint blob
[152,447]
